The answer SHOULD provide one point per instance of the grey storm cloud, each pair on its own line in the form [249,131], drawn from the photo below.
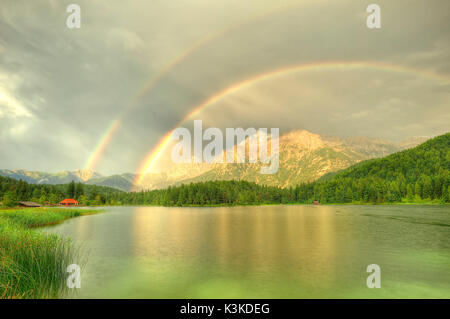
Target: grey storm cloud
[61,89]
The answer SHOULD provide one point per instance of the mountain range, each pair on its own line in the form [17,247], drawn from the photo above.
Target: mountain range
[122,181]
[303,157]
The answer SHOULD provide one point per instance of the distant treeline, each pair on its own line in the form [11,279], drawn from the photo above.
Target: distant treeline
[13,191]
[417,175]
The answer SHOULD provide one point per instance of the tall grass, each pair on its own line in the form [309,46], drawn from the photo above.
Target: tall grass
[33,264]
[31,218]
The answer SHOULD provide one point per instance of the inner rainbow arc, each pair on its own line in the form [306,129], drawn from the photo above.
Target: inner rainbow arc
[151,158]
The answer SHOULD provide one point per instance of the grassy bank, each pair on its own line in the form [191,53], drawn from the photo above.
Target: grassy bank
[33,264]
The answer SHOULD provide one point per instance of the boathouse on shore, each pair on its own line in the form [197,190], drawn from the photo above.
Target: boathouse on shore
[69,202]
[29,204]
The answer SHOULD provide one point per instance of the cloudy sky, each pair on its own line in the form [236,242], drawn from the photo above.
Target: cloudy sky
[61,89]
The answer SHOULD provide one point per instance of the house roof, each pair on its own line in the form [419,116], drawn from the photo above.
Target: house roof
[69,201]
[30,204]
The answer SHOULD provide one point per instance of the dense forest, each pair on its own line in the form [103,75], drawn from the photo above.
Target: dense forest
[12,191]
[417,175]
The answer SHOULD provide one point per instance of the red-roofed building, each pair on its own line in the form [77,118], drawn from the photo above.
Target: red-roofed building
[69,202]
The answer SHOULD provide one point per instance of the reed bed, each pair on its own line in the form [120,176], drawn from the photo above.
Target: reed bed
[33,264]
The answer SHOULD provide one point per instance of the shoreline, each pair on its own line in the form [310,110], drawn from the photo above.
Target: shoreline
[24,251]
[273,204]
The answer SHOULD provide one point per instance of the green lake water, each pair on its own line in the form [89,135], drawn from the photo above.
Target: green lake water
[263,252]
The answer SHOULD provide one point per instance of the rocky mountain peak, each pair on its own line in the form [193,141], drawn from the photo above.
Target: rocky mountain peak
[86,174]
[302,139]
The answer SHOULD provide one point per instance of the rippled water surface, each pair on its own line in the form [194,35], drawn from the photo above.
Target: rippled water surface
[263,252]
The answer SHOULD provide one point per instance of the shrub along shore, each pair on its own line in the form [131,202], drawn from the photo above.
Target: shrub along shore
[32,263]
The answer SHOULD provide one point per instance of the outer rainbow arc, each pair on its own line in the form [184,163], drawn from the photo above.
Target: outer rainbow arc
[209,38]
[164,141]
[107,136]
[100,148]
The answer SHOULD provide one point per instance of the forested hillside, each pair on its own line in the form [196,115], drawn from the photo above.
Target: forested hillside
[414,175]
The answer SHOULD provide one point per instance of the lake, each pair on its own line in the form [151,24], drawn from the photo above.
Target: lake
[263,251]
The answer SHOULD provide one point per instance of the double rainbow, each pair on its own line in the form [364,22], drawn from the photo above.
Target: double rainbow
[94,158]
[153,155]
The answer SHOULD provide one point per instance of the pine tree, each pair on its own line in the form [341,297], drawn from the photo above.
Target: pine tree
[71,190]
[417,191]
[348,195]
[79,190]
[9,200]
[427,187]
[409,193]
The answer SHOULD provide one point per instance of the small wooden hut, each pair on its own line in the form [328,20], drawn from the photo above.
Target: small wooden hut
[69,202]
[29,204]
